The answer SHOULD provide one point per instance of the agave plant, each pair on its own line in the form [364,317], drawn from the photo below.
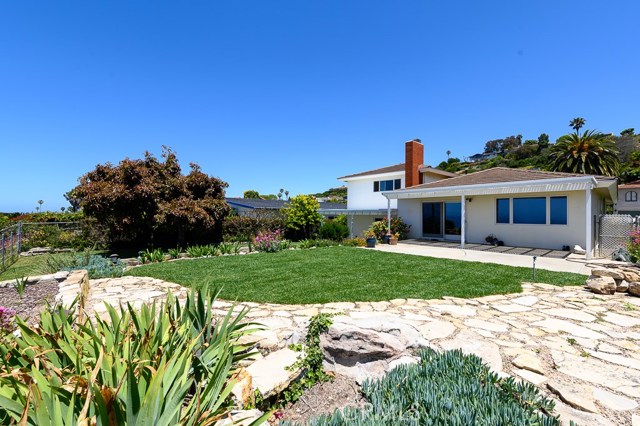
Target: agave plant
[168,364]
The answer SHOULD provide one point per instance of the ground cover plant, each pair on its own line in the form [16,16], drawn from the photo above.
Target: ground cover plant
[332,274]
[447,388]
[162,365]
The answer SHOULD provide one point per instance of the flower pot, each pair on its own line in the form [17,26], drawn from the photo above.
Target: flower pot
[371,242]
[385,239]
[393,241]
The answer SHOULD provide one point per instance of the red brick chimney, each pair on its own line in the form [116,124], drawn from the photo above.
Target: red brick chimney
[414,158]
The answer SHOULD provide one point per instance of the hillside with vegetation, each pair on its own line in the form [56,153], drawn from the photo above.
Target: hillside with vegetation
[588,151]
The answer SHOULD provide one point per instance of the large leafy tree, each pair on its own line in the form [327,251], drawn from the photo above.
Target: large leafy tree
[589,152]
[301,215]
[149,201]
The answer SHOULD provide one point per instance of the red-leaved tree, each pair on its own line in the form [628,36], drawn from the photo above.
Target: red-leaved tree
[150,202]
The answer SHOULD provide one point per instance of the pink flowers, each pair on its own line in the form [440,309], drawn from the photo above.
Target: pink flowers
[7,316]
[634,245]
[268,241]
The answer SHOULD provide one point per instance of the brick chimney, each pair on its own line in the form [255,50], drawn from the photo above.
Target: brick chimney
[414,158]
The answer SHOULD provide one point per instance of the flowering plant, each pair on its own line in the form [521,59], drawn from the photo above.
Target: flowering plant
[634,245]
[7,316]
[269,241]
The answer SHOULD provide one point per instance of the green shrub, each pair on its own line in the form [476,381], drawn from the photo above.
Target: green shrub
[307,244]
[354,242]
[166,365]
[246,228]
[152,256]
[97,266]
[332,230]
[203,251]
[447,388]
[380,228]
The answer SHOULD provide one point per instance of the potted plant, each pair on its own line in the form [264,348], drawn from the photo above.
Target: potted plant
[370,237]
[393,239]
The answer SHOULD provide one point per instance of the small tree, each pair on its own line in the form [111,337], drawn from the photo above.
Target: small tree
[301,215]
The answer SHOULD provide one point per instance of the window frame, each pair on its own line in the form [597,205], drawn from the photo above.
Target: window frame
[631,197]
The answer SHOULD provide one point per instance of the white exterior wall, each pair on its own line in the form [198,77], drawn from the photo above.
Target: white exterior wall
[360,195]
[481,221]
[631,206]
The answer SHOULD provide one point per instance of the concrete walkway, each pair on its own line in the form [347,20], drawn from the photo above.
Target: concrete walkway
[573,263]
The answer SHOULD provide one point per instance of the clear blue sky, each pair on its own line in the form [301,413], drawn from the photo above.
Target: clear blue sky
[292,94]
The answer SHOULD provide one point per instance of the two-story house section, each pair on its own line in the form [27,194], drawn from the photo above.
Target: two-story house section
[628,199]
[365,202]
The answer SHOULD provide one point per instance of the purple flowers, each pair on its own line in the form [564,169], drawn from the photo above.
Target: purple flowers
[268,241]
[634,245]
[7,316]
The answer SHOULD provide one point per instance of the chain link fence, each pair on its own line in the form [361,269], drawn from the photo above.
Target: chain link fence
[614,230]
[23,236]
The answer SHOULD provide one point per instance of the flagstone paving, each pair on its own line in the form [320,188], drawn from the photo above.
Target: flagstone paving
[581,349]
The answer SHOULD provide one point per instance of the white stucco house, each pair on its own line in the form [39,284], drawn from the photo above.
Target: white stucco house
[628,200]
[526,208]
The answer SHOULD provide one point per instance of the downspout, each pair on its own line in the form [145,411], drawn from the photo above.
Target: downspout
[588,223]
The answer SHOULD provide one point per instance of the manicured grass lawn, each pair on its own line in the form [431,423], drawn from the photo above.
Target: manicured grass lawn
[337,274]
[28,267]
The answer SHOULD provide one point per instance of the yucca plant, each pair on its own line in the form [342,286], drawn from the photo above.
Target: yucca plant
[166,364]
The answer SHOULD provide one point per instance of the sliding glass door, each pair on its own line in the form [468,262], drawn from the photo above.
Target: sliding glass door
[442,220]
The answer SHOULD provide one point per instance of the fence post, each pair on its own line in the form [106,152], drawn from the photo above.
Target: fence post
[11,244]
[19,237]
[2,242]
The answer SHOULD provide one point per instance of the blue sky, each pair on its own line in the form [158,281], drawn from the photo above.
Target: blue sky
[292,94]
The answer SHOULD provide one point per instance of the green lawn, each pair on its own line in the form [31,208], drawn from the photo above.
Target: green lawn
[28,267]
[336,274]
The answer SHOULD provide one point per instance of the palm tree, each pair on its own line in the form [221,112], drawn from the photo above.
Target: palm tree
[577,123]
[591,152]
[448,154]
[41,202]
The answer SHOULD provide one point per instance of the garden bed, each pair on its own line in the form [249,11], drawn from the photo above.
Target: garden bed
[32,301]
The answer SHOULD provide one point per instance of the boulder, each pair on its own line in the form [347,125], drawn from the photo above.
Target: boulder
[604,272]
[243,389]
[272,374]
[578,250]
[631,275]
[601,285]
[634,288]
[364,348]
[240,418]
[622,286]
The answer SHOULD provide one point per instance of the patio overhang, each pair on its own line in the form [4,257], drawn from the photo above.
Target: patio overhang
[520,187]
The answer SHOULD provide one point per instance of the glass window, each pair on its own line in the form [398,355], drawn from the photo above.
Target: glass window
[530,210]
[432,219]
[376,186]
[558,210]
[502,210]
[631,196]
[397,184]
[452,218]
[386,185]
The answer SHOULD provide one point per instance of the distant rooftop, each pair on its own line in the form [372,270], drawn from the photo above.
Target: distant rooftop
[630,185]
[398,168]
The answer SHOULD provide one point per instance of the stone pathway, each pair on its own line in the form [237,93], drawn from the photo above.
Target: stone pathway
[581,349]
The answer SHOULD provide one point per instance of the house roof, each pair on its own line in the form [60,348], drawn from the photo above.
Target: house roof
[388,169]
[499,175]
[256,203]
[398,168]
[630,185]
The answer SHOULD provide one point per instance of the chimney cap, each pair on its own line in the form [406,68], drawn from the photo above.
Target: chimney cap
[415,140]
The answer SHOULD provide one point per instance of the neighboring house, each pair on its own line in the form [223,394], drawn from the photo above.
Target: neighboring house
[628,200]
[365,200]
[526,208]
[254,206]
[481,157]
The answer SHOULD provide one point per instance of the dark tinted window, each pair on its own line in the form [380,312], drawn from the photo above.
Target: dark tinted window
[530,210]
[376,186]
[558,210]
[397,183]
[502,210]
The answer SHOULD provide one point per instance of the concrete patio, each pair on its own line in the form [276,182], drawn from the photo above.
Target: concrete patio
[444,250]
